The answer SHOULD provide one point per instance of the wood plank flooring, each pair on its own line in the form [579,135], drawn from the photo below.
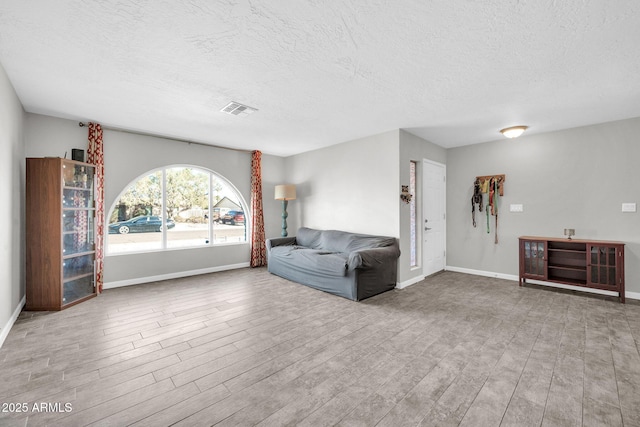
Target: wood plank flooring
[245,347]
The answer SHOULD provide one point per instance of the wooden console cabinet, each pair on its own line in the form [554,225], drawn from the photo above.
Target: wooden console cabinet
[60,217]
[588,263]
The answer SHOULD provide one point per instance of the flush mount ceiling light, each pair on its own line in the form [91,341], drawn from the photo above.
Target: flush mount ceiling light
[513,131]
[237,109]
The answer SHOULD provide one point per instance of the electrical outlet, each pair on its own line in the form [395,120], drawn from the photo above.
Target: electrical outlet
[628,207]
[516,208]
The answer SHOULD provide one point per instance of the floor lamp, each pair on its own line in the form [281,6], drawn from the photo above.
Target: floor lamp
[285,192]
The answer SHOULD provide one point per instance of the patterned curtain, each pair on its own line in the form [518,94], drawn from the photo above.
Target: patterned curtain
[258,250]
[95,156]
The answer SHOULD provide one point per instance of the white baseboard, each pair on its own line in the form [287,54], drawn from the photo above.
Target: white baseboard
[627,294]
[177,275]
[4,332]
[482,273]
[413,280]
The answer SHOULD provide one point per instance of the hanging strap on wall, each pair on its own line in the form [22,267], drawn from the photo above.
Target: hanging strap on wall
[492,193]
[473,212]
[488,228]
[495,203]
[476,198]
[493,186]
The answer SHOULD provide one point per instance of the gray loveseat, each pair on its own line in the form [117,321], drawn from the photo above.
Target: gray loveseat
[354,266]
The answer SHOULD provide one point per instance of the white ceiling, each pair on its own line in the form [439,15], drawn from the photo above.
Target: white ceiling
[322,72]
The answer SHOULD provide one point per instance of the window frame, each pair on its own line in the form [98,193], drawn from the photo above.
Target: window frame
[414,235]
[164,248]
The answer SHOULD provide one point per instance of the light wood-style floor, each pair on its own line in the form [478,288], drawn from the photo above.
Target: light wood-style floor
[247,348]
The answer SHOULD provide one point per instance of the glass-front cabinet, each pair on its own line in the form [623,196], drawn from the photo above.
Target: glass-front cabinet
[78,251]
[60,233]
[533,259]
[603,265]
[594,264]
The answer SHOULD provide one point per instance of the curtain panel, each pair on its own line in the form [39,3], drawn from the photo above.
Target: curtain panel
[95,156]
[258,249]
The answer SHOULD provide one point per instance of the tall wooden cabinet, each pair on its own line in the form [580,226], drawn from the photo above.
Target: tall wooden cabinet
[60,224]
[588,263]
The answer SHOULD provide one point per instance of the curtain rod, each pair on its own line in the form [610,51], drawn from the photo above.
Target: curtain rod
[82,124]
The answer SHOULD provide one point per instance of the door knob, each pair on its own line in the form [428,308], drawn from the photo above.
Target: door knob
[427,228]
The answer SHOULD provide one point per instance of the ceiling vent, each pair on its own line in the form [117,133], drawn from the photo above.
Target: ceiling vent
[237,109]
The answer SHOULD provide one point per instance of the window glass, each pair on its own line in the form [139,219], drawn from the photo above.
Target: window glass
[135,219]
[187,201]
[229,219]
[176,207]
[412,214]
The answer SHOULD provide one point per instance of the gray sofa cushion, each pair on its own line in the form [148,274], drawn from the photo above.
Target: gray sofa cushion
[340,241]
[309,238]
[321,262]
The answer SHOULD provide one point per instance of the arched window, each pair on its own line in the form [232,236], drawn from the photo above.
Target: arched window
[176,207]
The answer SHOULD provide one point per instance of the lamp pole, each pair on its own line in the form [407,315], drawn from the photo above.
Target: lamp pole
[284,218]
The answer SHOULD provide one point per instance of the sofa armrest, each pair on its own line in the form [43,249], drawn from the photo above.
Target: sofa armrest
[280,241]
[371,258]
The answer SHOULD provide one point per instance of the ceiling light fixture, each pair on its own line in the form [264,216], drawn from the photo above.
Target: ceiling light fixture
[513,131]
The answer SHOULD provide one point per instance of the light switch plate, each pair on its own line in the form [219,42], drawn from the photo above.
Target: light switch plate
[516,208]
[628,207]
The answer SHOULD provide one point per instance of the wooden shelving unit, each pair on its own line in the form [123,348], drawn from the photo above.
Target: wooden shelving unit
[60,218]
[588,263]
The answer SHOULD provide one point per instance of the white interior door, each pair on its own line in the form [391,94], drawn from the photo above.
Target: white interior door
[433,217]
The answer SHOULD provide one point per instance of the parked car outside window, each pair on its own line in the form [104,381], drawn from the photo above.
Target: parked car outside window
[233,218]
[216,216]
[140,224]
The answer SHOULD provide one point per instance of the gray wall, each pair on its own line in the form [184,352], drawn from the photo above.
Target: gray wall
[128,156]
[576,178]
[353,186]
[413,148]
[47,136]
[12,171]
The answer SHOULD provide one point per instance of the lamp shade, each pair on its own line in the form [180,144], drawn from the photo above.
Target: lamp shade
[285,192]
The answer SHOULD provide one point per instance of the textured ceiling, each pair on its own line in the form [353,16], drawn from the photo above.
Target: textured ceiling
[451,71]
